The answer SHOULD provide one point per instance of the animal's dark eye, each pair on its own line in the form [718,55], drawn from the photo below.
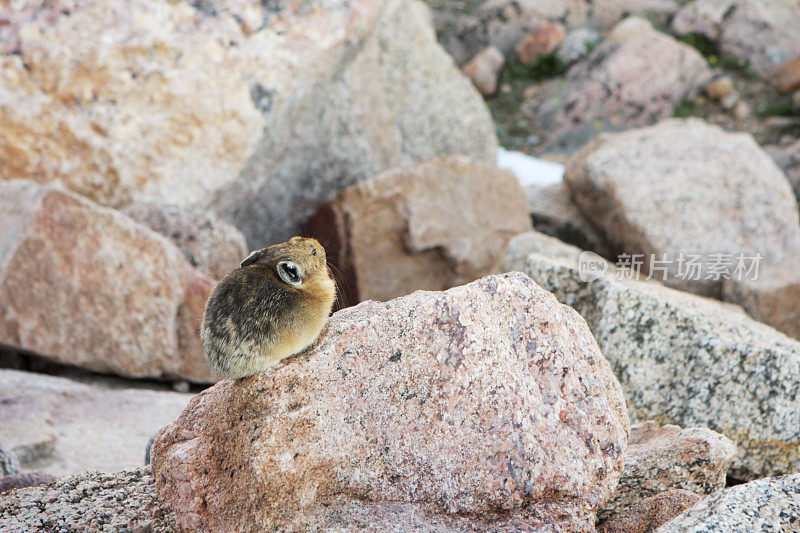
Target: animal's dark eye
[313,251]
[289,272]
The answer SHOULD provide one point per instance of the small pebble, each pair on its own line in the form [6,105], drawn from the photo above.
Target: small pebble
[180,386]
[719,88]
[741,111]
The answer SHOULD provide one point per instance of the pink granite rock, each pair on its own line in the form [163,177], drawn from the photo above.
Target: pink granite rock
[542,40]
[669,457]
[484,407]
[635,78]
[648,514]
[85,285]
[484,70]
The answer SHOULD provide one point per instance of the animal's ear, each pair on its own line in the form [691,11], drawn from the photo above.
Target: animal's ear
[252,258]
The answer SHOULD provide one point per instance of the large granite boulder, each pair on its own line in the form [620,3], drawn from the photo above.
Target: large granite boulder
[685,192]
[263,109]
[65,427]
[769,504]
[487,407]
[764,32]
[682,359]
[634,78]
[85,285]
[432,226]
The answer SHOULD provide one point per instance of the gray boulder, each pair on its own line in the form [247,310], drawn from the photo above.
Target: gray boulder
[681,359]
[394,97]
[769,504]
[764,32]
[711,207]
[262,110]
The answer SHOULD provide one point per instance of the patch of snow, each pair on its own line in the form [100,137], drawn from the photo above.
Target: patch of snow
[528,169]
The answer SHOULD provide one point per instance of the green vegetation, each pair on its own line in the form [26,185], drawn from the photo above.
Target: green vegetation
[702,44]
[691,107]
[513,128]
[544,67]
[468,7]
[717,58]
[784,107]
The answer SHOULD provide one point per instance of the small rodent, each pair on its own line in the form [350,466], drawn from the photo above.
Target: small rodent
[273,306]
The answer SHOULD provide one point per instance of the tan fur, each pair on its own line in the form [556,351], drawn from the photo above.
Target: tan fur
[237,342]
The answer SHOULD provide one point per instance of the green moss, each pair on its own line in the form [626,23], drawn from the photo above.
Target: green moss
[513,129]
[691,107]
[467,7]
[783,107]
[543,67]
[717,58]
[702,44]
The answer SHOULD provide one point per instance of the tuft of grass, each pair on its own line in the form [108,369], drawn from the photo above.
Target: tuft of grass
[691,107]
[544,67]
[717,58]
[513,129]
[702,44]
[783,107]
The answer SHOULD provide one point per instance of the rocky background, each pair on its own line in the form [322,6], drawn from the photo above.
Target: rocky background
[470,150]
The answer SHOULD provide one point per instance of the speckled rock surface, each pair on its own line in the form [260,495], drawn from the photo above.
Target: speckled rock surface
[85,285]
[490,400]
[441,223]
[769,504]
[554,213]
[667,458]
[125,501]
[683,359]
[764,32]
[208,243]
[687,187]
[65,427]
[635,80]
[185,100]
[646,515]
